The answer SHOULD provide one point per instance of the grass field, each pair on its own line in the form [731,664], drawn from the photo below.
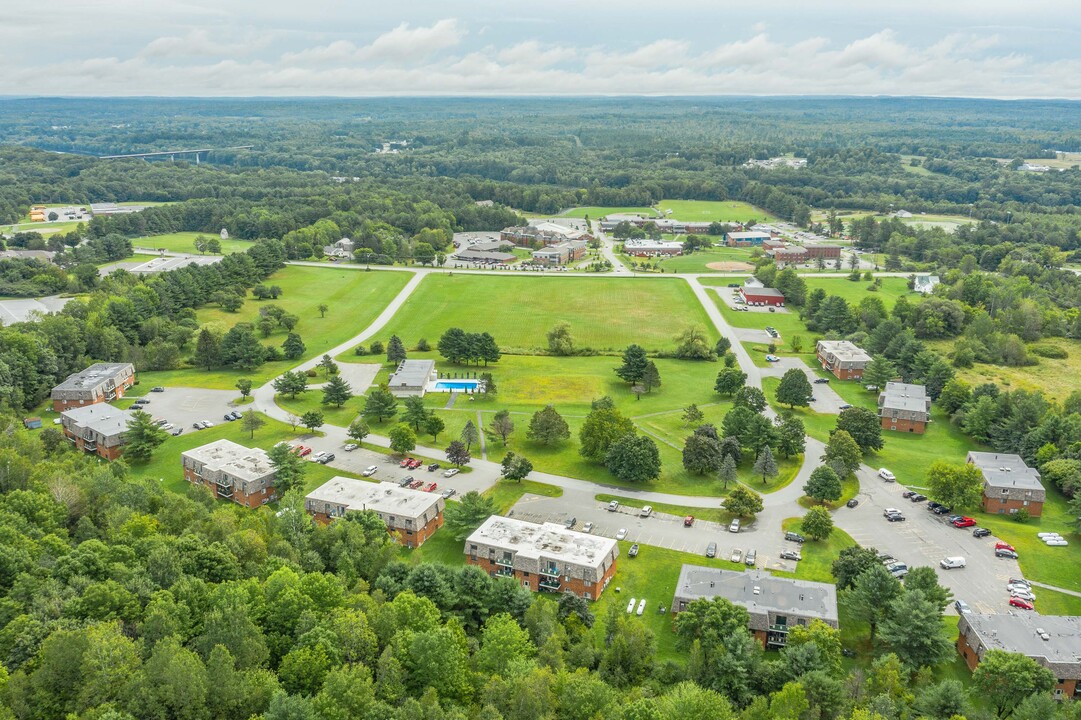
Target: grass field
[605,315]
[698,261]
[1056,378]
[185,242]
[714,211]
[355,300]
[891,289]
[596,213]
[818,555]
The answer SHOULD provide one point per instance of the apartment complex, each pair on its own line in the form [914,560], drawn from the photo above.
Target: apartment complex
[1008,484]
[904,407]
[97,429]
[842,358]
[232,471]
[101,382]
[1053,641]
[775,604]
[543,557]
[411,516]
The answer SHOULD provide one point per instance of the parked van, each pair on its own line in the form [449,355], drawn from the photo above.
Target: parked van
[646,511]
[952,562]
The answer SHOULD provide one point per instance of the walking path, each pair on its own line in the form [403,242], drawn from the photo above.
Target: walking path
[1056,589]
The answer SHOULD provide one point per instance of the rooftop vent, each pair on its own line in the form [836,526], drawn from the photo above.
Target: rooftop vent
[757,590]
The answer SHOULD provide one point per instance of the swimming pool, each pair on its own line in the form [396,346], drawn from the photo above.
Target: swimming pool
[457,384]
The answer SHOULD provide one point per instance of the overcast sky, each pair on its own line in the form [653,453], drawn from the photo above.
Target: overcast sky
[971,48]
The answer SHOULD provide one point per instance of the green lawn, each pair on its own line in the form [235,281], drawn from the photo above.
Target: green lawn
[1054,377]
[698,261]
[818,555]
[596,213]
[355,300]
[506,493]
[891,289]
[313,400]
[717,514]
[713,211]
[185,242]
[604,314]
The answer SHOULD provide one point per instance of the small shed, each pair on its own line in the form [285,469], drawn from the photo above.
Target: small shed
[32,423]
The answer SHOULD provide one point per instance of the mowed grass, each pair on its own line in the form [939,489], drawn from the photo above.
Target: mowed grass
[603,314]
[698,261]
[891,289]
[818,555]
[713,211]
[355,300]
[185,242]
[596,213]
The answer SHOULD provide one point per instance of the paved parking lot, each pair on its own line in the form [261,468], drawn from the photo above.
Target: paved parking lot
[924,539]
[660,529]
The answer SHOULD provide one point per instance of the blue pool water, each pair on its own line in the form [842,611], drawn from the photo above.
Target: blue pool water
[456,384]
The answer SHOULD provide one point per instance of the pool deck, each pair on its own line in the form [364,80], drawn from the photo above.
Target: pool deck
[452,385]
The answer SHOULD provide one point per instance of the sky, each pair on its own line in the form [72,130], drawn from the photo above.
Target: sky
[960,48]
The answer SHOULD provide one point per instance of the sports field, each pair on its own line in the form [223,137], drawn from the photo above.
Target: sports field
[604,315]
[596,213]
[700,261]
[714,211]
[185,242]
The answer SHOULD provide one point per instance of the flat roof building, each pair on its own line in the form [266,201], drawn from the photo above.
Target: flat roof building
[561,254]
[543,557]
[101,382]
[647,247]
[232,471]
[746,238]
[97,428]
[1053,641]
[774,604]
[761,295]
[904,407]
[485,257]
[842,358]
[411,516]
[412,377]
[1009,484]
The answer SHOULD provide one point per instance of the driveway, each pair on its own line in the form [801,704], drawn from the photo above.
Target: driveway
[826,399]
[924,539]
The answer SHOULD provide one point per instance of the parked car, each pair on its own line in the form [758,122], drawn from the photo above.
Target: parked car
[1019,603]
[886,558]
[961,607]
[167,426]
[918,498]
[430,487]
[794,537]
[197,425]
[886,475]
[318,456]
[406,481]
[157,388]
[1004,553]
[711,550]
[895,517]
[1011,587]
[791,555]
[932,505]
[571,522]
[370,470]
[622,534]
[952,563]
[772,358]
[964,522]
[750,558]
[229,417]
[633,552]
[350,447]
[587,528]
[942,510]
[733,527]
[328,457]
[451,472]
[1004,546]
[890,511]
[688,521]
[1019,581]
[207,424]
[415,485]
[141,401]
[852,503]
[737,555]
[980,532]
[1023,594]
[448,494]
[646,511]
[177,431]
[871,388]
[405,462]
[898,569]
[821,381]
[433,467]
[613,506]
[845,406]
[908,493]
[415,464]
[236,415]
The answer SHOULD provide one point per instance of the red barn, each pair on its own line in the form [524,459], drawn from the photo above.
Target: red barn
[762,296]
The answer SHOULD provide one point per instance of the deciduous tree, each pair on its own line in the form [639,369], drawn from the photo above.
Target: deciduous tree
[634,459]
[823,485]
[794,389]
[843,452]
[547,427]
[291,383]
[402,439]
[729,381]
[289,468]
[465,516]
[251,422]
[458,453]
[958,486]
[502,425]
[313,420]
[516,467]
[743,502]
[1005,679]
[600,430]
[817,524]
[863,425]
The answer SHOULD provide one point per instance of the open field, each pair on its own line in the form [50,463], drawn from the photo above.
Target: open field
[698,261]
[1056,378]
[891,289]
[355,300]
[596,213]
[714,211]
[185,242]
[604,314]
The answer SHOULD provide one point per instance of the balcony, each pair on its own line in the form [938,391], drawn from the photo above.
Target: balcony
[504,572]
[90,446]
[549,585]
[778,629]
[505,561]
[551,571]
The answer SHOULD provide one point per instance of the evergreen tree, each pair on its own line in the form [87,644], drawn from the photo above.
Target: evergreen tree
[395,350]
[293,348]
[415,413]
[634,365]
[791,436]
[142,436]
[337,391]
[692,415]
[291,383]
[469,435]
[240,349]
[289,468]
[727,471]
[651,378]
[207,350]
[765,465]
[380,404]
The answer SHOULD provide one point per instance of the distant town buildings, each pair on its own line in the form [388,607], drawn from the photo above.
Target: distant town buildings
[652,248]
[842,358]
[1050,640]
[101,382]
[664,225]
[69,213]
[904,407]
[114,209]
[97,429]
[795,254]
[412,377]
[543,557]
[232,471]
[775,604]
[542,234]
[411,516]
[1034,167]
[342,249]
[776,162]
[925,283]
[1009,485]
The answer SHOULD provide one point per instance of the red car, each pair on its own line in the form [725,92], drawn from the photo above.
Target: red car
[405,462]
[415,484]
[1005,546]
[964,522]
[1019,603]
[303,451]
[431,487]
[414,464]
[688,521]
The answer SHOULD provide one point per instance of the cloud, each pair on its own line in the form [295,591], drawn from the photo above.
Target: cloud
[404,42]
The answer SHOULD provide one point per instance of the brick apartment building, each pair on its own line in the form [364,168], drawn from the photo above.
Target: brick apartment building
[1009,484]
[97,429]
[232,471]
[1050,640]
[562,254]
[543,557]
[761,296]
[411,516]
[775,604]
[904,407]
[101,382]
[842,358]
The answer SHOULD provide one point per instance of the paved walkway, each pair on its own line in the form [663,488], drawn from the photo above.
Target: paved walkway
[1056,589]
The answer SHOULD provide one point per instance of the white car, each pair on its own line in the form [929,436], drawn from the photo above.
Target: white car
[317,456]
[587,528]
[630,606]
[1023,594]
[207,424]
[622,534]
[890,511]
[350,447]
[886,475]
[950,563]
[167,426]
[646,511]
[641,606]
[613,506]
[370,470]
[1011,587]
[451,473]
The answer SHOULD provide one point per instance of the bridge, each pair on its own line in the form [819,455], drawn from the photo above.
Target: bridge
[173,153]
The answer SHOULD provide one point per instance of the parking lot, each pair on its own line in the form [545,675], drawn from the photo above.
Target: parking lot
[924,539]
[660,529]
